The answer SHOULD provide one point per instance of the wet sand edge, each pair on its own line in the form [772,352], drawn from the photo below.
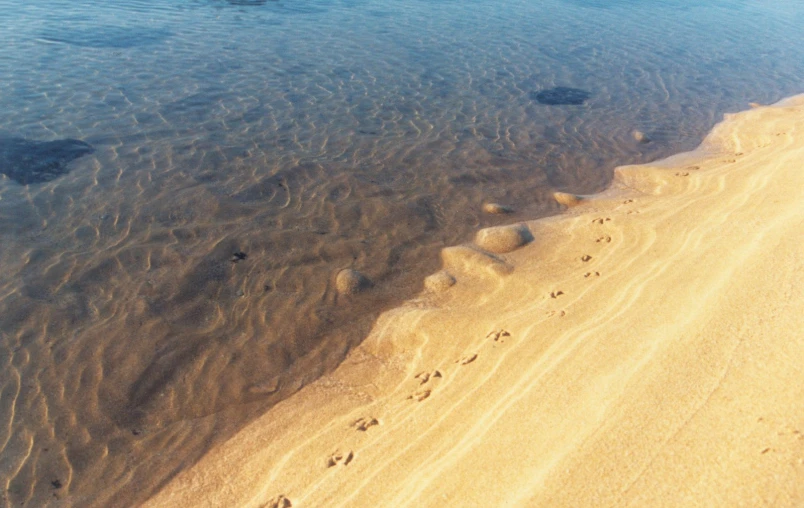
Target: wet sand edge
[576,366]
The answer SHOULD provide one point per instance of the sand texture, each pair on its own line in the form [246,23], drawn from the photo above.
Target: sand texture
[645,349]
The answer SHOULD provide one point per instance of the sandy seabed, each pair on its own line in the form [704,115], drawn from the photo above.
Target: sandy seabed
[644,348]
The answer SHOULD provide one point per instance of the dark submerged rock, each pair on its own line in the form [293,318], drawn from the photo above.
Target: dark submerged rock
[560,96]
[28,162]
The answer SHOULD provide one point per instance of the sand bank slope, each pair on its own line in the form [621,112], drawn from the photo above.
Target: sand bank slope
[645,349]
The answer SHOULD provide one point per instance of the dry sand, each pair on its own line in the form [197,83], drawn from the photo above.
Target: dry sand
[645,349]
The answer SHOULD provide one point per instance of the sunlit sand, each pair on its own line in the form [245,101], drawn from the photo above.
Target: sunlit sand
[645,349]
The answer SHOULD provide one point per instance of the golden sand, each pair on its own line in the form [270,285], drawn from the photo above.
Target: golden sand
[645,349]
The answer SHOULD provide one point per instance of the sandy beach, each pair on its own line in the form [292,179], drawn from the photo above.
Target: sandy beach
[644,348]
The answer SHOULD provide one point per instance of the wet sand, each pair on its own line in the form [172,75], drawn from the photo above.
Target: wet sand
[641,348]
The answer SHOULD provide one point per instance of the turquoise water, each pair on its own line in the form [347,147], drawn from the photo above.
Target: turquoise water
[311,136]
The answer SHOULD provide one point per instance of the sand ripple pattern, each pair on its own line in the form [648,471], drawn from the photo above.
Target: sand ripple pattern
[310,137]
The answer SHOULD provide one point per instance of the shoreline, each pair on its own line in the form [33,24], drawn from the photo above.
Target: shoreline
[641,350]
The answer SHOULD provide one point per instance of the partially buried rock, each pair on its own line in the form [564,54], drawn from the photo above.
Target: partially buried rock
[349,282]
[474,261]
[497,208]
[501,239]
[265,387]
[439,281]
[567,199]
[640,137]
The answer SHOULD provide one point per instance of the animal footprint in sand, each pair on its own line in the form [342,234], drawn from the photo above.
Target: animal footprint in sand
[586,258]
[424,377]
[466,360]
[364,424]
[279,501]
[682,173]
[552,313]
[592,274]
[498,335]
[627,201]
[420,396]
[601,220]
[556,294]
[604,239]
[339,458]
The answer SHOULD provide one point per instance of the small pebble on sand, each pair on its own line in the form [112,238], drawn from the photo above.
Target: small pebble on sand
[497,208]
[640,137]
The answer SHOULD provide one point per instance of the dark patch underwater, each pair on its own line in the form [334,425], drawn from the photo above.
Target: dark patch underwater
[561,95]
[27,162]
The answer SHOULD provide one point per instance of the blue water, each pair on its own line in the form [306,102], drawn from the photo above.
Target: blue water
[311,136]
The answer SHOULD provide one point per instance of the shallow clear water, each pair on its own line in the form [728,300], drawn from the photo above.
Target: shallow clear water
[311,136]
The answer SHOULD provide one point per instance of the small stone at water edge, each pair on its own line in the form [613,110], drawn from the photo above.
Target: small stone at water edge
[439,281]
[640,137]
[497,208]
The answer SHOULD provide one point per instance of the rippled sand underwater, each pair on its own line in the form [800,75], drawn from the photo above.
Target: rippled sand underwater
[184,180]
